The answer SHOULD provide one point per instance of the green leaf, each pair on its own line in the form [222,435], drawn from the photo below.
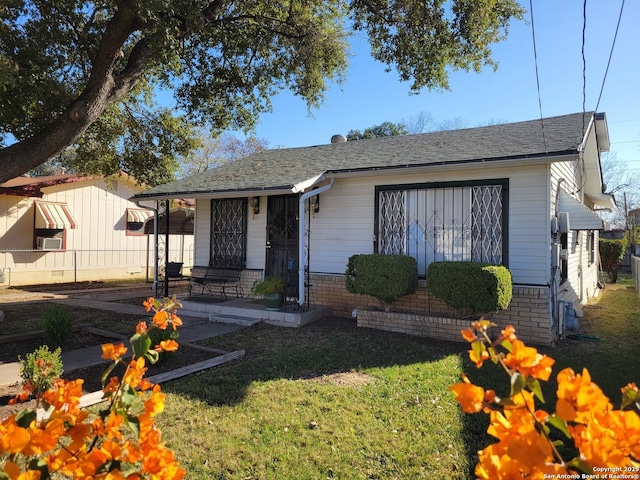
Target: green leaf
[629,396]
[25,418]
[534,385]
[140,344]
[506,344]
[505,402]
[492,355]
[518,382]
[478,347]
[581,466]
[128,396]
[109,466]
[134,425]
[152,356]
[558,423]
[4,476]
[105,374]
[40,465]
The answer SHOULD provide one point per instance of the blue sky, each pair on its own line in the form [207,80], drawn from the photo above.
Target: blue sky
[371,96]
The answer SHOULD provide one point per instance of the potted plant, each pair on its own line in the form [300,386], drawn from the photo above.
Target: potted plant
[271,288]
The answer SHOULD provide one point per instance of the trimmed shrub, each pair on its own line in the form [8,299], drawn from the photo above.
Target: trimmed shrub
[41,368]
[57,324]
[478,287]
[385,277]
[611,254]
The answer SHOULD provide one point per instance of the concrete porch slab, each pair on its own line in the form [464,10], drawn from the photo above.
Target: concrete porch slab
[246,311]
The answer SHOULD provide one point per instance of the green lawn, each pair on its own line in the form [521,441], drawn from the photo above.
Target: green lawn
[279,413]
[330,400]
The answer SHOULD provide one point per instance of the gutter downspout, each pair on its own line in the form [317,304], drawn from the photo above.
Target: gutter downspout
[155,242]
[302,258]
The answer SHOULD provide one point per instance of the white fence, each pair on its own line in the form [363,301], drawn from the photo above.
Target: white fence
[635,271]
[31,267]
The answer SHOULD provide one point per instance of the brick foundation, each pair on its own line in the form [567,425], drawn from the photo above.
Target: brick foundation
[425,315]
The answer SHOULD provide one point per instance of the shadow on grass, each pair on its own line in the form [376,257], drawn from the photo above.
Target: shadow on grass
[325,347]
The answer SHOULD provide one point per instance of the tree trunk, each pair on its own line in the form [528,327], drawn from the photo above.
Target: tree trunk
[102,89]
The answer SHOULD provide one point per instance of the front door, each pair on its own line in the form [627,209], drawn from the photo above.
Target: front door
[282,240]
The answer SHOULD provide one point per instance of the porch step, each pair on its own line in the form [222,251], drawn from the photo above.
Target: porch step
[242,311]
[233,319]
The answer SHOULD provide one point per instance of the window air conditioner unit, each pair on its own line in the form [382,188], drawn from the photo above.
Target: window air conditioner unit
[49,243]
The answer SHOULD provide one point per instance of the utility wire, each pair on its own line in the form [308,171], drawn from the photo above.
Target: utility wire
[613,44]
[535,60]
[584,64]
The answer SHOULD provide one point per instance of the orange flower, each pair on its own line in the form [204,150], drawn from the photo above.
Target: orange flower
[509,333]
[169,345]
[578,397]
[176,321]
[161,319]
[135,372]
[141,327]
[482,325]
[468,334]
[469,396]
[13,439]
[528,361]
[473,356]
[155,404]
[113,352]
[148,304]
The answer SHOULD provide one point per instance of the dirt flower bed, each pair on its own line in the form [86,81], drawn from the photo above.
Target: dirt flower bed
[184,356]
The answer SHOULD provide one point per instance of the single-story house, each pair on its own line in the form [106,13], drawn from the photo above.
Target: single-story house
[521,195]
[67,227]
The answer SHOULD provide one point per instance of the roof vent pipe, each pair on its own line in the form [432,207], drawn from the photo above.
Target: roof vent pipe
[338,139]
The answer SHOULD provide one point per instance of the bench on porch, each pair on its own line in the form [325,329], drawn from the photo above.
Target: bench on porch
[205,279]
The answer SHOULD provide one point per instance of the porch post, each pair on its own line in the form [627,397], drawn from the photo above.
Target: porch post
[166,250]
[302,247]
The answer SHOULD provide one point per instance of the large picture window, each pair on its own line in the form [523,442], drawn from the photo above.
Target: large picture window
[228,233]
[461,221]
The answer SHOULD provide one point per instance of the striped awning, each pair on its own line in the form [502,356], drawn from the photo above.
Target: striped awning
[138,215]
[54,216]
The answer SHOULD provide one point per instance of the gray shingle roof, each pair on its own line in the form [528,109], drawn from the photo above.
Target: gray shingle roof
[284,168]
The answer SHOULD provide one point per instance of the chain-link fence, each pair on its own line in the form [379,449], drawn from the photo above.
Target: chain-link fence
[31,267]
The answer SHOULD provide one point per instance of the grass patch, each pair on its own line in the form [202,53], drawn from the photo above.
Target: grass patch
[279,414]
[329,400]
[275,414]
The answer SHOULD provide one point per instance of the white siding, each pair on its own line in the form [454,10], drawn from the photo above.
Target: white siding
[344,226]
[16,225]
[257,236]
[345,223]
[99,248]
[202,231]
[582,276]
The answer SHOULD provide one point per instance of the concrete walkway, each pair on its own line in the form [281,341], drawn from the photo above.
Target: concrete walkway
[194,329]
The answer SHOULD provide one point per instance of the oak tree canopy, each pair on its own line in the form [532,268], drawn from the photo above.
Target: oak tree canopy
[86,74]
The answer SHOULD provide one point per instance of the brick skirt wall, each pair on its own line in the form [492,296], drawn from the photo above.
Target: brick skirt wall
[423,314]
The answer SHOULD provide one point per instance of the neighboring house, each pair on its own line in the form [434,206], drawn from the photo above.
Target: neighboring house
[65,228]
[522,195]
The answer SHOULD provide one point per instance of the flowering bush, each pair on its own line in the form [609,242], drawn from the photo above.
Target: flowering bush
[121,442]
[608,440]
[39,369]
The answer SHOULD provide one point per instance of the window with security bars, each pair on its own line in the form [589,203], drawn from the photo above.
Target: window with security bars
[228,233]
[444,222]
